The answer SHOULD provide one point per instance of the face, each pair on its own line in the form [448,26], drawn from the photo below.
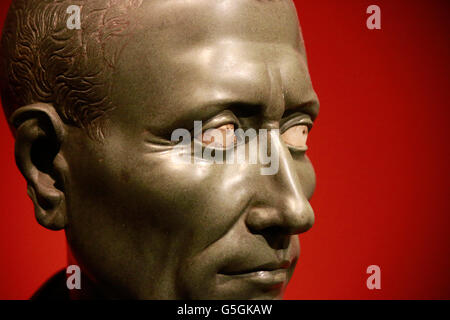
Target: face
[145,226]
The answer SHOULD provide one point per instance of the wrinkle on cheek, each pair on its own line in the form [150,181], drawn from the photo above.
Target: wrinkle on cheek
[222,199]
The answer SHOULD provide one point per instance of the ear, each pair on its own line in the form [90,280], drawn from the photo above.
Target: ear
[40,133]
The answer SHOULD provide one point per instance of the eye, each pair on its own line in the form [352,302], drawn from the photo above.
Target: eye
[220,137]
[296,136]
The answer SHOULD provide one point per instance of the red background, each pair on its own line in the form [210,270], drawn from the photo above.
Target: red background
[379,148]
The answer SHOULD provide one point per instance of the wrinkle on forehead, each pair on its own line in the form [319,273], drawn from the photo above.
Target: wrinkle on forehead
[267,70]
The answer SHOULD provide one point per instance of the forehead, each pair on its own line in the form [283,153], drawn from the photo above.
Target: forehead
[190,22]
[184,53]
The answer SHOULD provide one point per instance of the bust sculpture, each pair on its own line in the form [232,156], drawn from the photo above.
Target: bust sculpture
[93,111]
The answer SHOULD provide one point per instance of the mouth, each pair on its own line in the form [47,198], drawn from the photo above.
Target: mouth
[272,274]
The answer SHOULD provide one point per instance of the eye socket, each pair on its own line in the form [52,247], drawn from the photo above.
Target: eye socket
[296,136]
[220,137]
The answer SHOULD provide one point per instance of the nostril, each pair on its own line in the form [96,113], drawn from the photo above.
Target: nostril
[277,238]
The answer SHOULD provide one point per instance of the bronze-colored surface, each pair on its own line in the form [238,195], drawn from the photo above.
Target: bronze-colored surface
[93,111]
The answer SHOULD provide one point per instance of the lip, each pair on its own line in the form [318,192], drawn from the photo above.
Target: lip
[269,278]
[272,273]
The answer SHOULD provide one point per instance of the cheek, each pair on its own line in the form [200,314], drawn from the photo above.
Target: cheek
[150,210]
[201,200]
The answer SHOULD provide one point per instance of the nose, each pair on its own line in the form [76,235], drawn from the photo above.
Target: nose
[280,205]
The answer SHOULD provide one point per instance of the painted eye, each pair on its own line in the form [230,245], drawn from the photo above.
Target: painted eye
[221,137]
[296,136]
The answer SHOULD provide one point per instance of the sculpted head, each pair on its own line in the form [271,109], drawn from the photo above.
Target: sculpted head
[93,112]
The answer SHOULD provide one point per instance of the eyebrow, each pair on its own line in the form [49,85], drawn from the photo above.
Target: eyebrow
[202,112]
[245,108]
[310,108]
[241,108]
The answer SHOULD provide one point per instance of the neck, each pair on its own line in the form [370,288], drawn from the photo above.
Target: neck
[89,289]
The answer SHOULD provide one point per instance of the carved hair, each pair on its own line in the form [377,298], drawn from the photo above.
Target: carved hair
[41,60]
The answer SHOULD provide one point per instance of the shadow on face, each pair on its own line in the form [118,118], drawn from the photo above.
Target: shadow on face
[145,226]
